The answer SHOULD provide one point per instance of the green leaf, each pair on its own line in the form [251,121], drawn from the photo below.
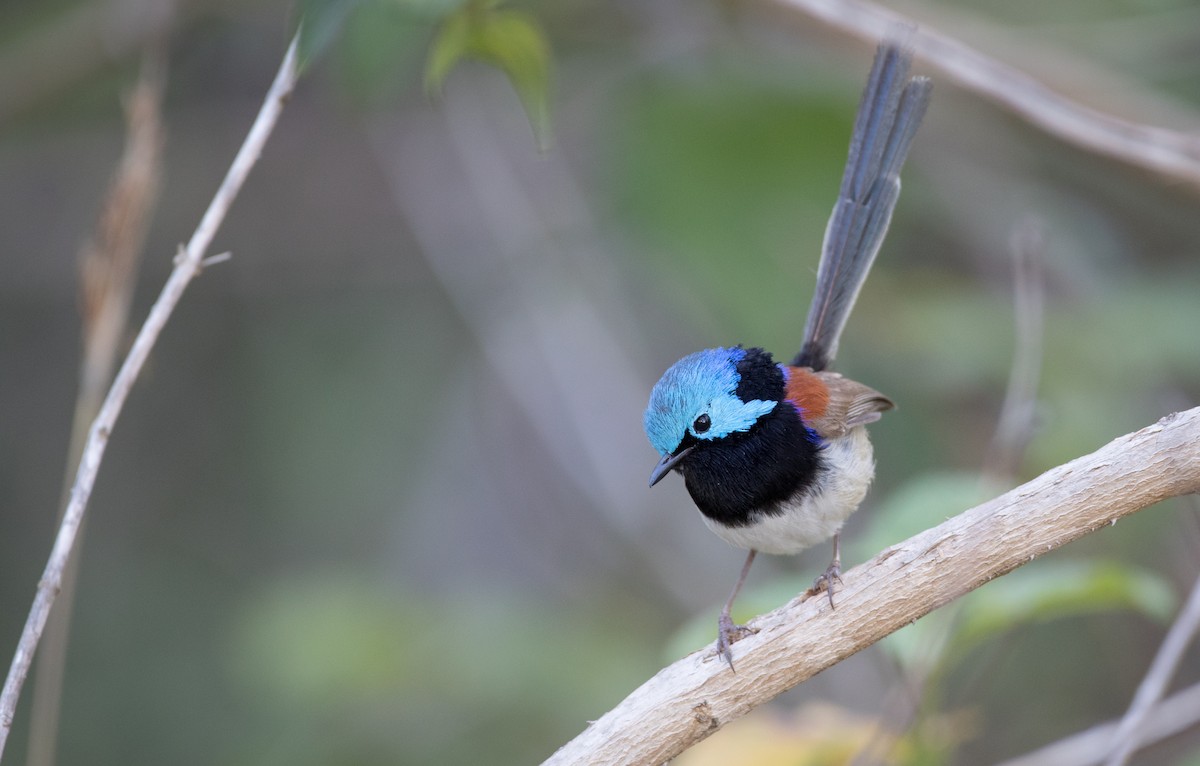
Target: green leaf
[921,503]
[383,46]
[1055,589]
[325,638]
[450,45]
[921,644]
[511,41]
[392,23]
[1036,593]
[320,23]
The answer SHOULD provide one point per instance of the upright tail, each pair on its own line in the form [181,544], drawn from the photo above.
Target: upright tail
[888,116]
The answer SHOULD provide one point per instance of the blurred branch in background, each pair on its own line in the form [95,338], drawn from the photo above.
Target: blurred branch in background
[108,274]
[1150,691]
[1149,719]
[75,44]
[1167,152]
[914,696]
[420,395]
[188,264]
[537,299]
[1018,414]
[1174,715]
[692,698]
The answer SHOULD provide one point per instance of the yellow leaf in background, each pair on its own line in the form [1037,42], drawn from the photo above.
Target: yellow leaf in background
[821,734]
[816,734]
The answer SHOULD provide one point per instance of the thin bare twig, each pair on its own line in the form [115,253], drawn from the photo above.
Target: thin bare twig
[1176,714]
[1014,430]
[187,265]
[1125,740]
[692,698]
[108,267]
[1015,425]
[1172,153]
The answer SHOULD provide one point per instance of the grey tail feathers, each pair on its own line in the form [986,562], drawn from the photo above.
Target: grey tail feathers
[888,116]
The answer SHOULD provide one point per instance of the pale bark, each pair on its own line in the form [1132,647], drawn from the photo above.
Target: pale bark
[690,699]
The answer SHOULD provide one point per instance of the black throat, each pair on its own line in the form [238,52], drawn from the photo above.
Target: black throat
[737,478]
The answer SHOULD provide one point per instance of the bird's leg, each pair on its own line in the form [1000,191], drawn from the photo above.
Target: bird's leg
[727,632]
[833,573]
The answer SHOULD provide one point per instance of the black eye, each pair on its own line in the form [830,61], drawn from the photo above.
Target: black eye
[702,424]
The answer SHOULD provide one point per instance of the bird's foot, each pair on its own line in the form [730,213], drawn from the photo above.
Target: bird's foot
[727,634]
[826,580]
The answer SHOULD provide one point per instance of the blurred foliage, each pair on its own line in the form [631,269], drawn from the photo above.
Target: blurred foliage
[724,185]
[382,47]
[407,675]
[510,40]
[819,734]
[1062,589]
[329,533]
[920,503]
[320,23]
[381,35]
[951,642]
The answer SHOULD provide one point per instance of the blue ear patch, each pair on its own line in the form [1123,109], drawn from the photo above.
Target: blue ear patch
[702,383]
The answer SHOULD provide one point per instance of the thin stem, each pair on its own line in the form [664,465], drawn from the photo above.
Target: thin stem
[187,265]
[1154,685]
[1016,423]
[108,275]
[1172,716]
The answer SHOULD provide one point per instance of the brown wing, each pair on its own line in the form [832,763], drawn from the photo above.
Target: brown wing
[830,404]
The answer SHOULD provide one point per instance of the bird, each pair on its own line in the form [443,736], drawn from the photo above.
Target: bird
[776,455]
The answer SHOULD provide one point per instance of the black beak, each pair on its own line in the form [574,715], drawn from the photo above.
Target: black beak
[667,463]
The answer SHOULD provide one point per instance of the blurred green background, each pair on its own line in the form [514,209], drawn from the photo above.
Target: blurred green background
[380,495]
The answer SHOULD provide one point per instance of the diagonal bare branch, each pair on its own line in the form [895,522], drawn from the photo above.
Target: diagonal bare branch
[108,266]
[1175,714]
[188,263]
[690,699]
[1171,153]
[1125,739]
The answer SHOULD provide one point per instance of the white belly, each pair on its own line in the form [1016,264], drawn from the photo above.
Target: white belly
[816,517]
